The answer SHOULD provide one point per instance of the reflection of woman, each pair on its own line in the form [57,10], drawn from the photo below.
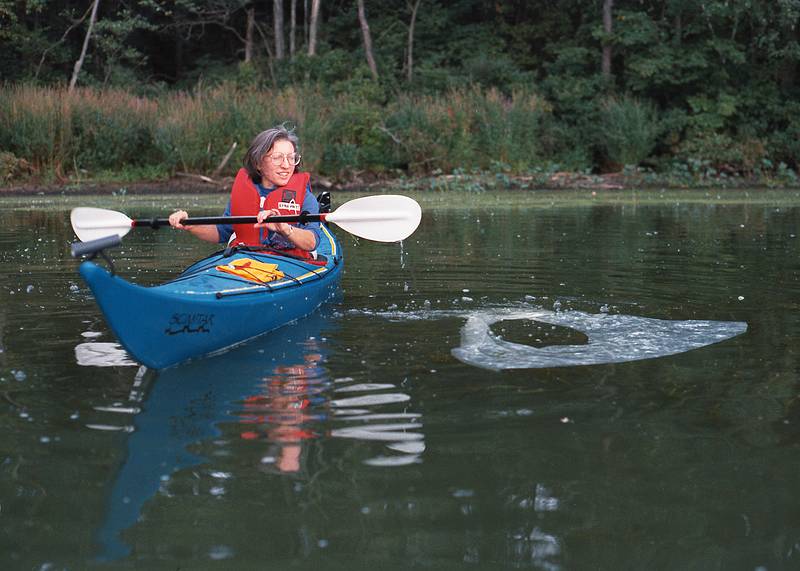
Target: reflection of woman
[267,186]
[288,394]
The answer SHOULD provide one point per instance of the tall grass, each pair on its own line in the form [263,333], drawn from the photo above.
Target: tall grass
[629,130]
[467,128]
[80,134]
[110,129]
[36,125]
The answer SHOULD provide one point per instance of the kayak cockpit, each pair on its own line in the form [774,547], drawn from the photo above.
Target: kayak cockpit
[222,274]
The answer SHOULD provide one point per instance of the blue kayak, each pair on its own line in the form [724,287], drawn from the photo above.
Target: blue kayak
[215,303]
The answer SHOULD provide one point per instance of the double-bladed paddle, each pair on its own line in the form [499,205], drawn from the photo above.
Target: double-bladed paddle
[382,218]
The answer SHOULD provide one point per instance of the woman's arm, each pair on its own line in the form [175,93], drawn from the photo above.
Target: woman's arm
[209,233]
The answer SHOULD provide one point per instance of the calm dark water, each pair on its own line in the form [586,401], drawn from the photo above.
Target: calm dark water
[356,439]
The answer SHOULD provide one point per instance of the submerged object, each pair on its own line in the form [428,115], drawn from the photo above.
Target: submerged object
[214,304]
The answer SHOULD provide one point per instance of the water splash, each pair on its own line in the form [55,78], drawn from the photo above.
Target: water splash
[97,354]
[611,338]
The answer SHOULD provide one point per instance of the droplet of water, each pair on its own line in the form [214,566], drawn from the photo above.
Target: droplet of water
[220,552]
[19,375]
[29,289]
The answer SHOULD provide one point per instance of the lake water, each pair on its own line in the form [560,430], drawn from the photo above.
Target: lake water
[548,381]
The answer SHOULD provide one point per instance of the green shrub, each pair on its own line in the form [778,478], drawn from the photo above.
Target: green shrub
[508,129]
[468,128]
[629,129]
[111,129]
[722,153]
[784,145]
[12,167]
[353,139]
[35,125]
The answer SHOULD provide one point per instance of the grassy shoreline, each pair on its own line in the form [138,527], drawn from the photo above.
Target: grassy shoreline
[56,141]
[462,182]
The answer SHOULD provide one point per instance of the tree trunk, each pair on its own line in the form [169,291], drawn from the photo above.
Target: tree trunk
[410,63]
[788,70]
[305,22]
[362,18]
[278,23]
[678,29]
[78,64]
[312,28]
[268,49]
[248,36]
[608,28]
[293,29]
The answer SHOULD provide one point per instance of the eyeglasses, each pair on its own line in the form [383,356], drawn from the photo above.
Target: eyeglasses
[278,158]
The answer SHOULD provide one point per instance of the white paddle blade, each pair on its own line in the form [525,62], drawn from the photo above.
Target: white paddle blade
[383,218]
[93,223]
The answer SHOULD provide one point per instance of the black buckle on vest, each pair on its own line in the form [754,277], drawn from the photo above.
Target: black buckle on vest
[324,199]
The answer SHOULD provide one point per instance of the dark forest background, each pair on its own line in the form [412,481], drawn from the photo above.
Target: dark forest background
[149,88]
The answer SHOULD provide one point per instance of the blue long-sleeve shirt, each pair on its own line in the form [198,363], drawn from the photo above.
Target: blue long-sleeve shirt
[275,239]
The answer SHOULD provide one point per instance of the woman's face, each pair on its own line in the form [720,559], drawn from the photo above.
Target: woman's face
[278,174]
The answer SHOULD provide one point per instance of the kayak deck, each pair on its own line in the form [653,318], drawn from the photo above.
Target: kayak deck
[203,278]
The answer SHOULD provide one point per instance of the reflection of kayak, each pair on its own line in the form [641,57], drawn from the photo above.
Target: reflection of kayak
[265,413]
[188,405]
[208,307]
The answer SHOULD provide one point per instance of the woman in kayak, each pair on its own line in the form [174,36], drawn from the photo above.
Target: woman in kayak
[267,186]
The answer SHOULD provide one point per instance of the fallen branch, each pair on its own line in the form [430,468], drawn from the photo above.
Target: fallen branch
[225,160]
[202,177]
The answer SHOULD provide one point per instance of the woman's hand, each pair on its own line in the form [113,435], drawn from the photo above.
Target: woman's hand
[209,233]
[176,217]
[303,239]
[281,227]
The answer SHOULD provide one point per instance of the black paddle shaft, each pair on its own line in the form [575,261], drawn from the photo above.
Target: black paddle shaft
[303,218]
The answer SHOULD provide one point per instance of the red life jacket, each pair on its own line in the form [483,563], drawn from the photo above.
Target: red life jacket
[246,201]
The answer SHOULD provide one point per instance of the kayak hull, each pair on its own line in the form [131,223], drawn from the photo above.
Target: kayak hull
[205,310]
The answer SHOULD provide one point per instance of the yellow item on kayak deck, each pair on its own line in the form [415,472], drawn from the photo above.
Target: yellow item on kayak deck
[253,270]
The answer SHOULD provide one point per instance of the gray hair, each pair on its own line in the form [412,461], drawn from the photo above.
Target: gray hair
[262,144]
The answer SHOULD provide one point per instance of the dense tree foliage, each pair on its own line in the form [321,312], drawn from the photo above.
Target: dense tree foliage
[709,84]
